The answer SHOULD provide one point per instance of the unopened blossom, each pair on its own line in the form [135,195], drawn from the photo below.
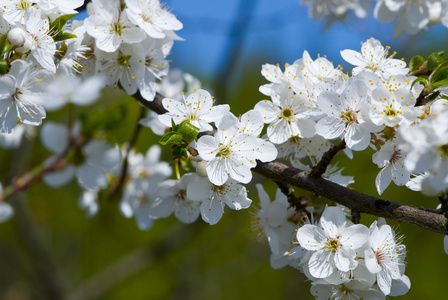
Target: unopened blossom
[214,198]
[347,115]
[374,58]
[333,243]
[287,116]
[197,108]
[391,159]
[231,153]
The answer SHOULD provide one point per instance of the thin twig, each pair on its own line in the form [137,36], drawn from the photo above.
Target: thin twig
[25,181]
[118,186]
[322,165]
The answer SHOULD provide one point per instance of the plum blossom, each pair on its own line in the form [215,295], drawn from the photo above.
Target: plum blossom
[374,58]
[232,153]
[197,108]
[347,115]
[272,218]
[110,26]
[152,17]
[333,242]
[172,197]
[17,96]
[214,198]
[391,160]
[287,116]
[385,256]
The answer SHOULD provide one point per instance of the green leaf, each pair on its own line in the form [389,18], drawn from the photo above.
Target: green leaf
[171,138]
[64,36]
[434,60]
[421,80]
[440,73]
[3,67]
[440,83]
[416,62]
[180,151]
[189,131]
[432,97]
[59,23]
[3,42]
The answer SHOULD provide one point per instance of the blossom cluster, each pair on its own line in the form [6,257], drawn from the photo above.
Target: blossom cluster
[410,16]
[343,260]
[310,107]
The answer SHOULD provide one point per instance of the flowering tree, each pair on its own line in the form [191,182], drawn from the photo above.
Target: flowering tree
[312,112]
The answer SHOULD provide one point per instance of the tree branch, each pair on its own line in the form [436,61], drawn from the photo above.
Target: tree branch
[321,167]
[431,220]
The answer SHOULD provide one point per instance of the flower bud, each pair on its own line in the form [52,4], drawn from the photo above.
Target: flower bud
[200,169]
[20,39]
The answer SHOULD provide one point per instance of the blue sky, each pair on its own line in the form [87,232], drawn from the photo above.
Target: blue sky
[279,32]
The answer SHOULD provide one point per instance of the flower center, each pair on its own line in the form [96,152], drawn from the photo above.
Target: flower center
[287,113]
[333,244]
[443,150]
[122,59]
[23,5]
[182,194]
[117,29]
[390,112]
[224,151]
[379,256]
[349,116]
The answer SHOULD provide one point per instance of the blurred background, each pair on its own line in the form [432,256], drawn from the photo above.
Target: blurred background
[50,250]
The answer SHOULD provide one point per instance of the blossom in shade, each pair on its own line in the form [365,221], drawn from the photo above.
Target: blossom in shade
[214,198]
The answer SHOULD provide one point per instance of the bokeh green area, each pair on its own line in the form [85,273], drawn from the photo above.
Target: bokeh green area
[50,240]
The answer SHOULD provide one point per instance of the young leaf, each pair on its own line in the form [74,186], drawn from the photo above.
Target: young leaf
[434,60]
[59,23]
[416,63]
[421,80]
[189,132]
[440,73]
[3,67]
[171,138]
[2,43]
[64,36]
